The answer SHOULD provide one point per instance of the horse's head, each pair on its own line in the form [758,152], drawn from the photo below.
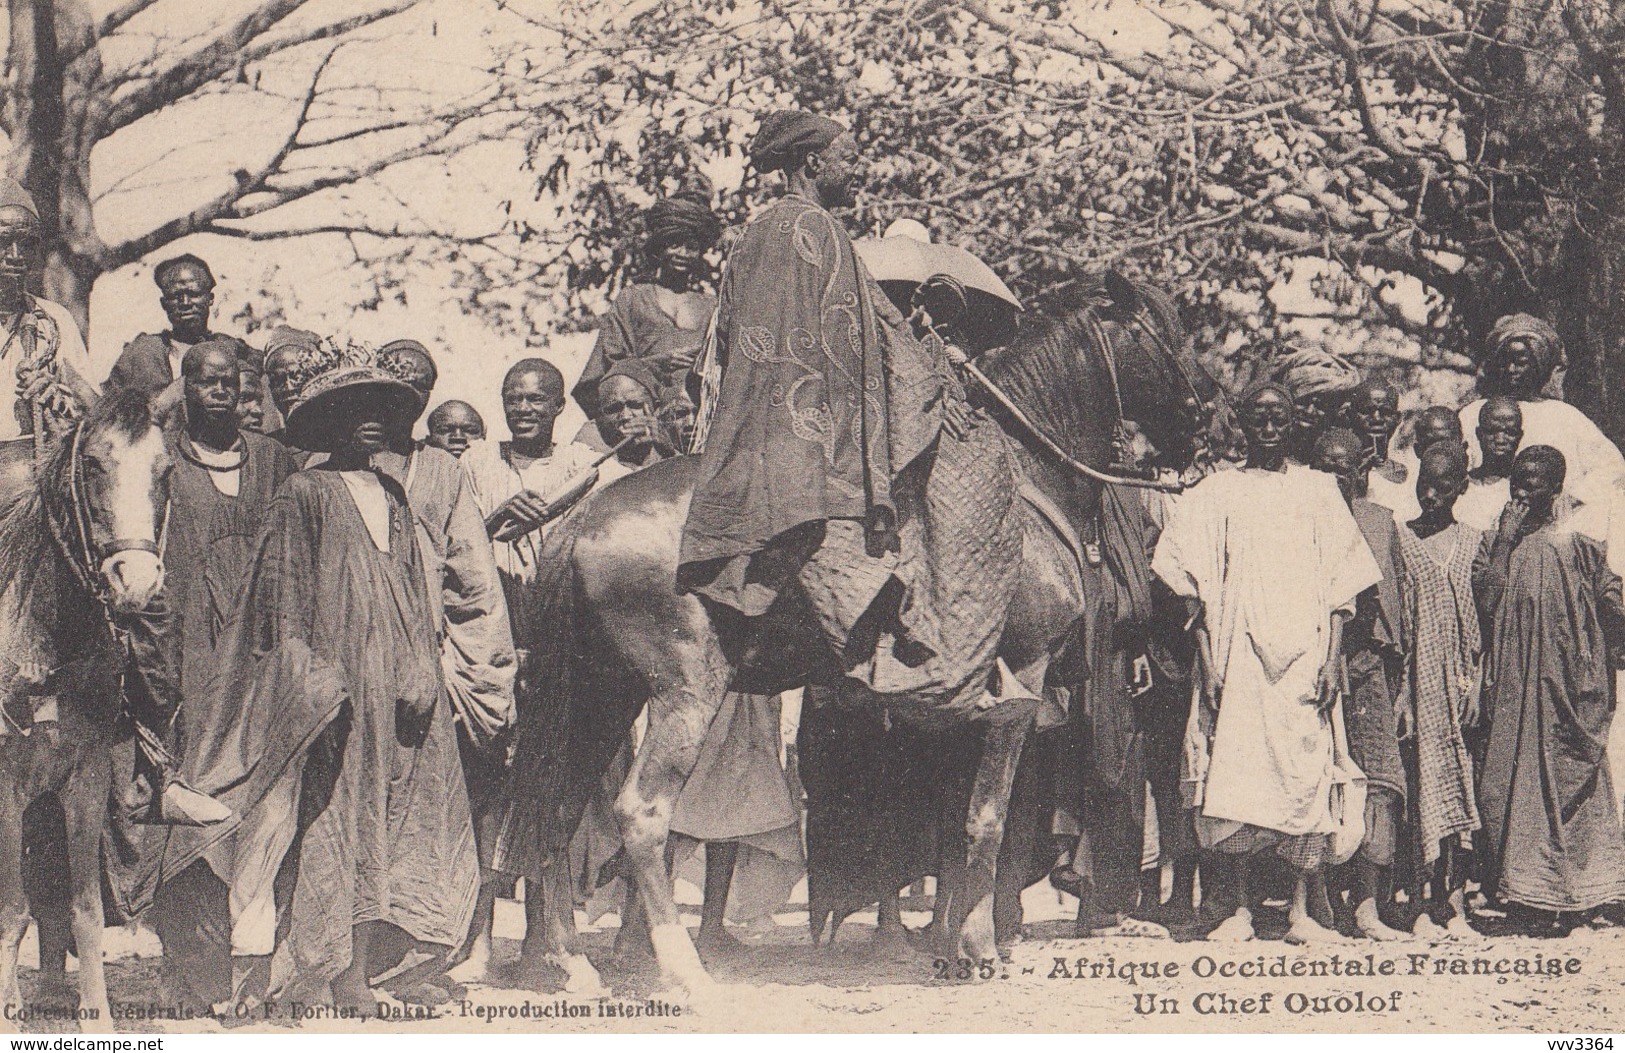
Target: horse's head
[112,473]
[1176,403]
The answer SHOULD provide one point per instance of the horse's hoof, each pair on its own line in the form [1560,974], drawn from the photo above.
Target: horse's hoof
[95,1020]
[581,979]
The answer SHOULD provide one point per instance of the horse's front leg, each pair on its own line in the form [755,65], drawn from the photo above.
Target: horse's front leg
[13,903]
[679,718]
[84,805]
[969,911]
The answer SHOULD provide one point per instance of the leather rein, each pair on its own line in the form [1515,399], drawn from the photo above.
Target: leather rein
[1109,354]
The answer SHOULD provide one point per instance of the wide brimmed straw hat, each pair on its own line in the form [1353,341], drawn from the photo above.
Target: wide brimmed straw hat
[325,414]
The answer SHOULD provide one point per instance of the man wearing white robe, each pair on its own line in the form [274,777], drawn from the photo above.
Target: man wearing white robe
[1274,557]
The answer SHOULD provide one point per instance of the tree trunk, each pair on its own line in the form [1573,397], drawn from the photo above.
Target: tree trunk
[53,119]
[1590,315]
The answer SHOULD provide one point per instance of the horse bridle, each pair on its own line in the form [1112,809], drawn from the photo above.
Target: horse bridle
[95,555]
[1109,354]
[86,559]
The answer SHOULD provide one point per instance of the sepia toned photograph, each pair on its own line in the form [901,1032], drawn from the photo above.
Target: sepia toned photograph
[543,517]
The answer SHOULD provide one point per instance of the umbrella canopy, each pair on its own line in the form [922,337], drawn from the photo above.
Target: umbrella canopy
[901,263]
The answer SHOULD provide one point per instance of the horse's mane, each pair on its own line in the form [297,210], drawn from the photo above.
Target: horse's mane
[1053,372]
[27,544]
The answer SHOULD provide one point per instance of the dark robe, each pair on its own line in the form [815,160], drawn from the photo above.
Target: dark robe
[638,327]
[208,550]
[471,619]
[144,363]
[330,627]
[1551,822]
[1372,648]
[824,397]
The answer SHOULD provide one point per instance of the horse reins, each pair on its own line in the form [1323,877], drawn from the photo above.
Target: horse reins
[962,360]
[85,558]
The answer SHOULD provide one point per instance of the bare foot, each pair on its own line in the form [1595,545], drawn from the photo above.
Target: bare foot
[1237,928]
[1427,929]
[1457,928]
[1369,922]
[474,968]
[1305,929]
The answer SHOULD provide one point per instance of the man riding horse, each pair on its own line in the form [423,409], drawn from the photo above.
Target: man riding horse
[822,445]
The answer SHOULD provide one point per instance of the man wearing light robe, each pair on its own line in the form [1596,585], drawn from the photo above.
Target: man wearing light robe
[1276,560]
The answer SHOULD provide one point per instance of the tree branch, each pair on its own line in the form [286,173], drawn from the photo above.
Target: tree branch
[240,45]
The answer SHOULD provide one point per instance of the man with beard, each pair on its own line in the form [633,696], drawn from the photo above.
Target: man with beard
[1268,771]
[660,322]
[818,408]
[470,616]
[453,425]
[1553,846]
[221,488]
[151,363]
[1500,434]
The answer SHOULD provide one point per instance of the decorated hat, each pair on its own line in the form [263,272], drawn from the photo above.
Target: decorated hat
[325,412]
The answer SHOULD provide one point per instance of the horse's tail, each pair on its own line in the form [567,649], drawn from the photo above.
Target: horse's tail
[536,825]
[568,729]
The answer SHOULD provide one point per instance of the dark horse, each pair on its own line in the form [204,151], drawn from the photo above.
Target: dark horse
[629,640]
[78,543]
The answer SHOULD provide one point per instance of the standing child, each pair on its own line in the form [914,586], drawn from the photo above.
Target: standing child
[1371,649]
[1551,820]
[1438,702]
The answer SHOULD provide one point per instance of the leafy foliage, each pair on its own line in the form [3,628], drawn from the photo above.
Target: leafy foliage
[1385,176]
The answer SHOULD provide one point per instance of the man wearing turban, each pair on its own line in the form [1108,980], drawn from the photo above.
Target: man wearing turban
[817,402]
[1320,382]
[659,322]
[1521,353]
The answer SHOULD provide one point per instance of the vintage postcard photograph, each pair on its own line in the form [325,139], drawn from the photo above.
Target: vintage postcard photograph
[540,517]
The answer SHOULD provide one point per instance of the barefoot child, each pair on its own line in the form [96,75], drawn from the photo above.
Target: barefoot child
[1554,850]
[1438,701]
[1371,649]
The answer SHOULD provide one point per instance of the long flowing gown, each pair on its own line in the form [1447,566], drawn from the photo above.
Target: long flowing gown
[331,634]
[1551,819]
[1442,679]
[208,551]
[1270,555]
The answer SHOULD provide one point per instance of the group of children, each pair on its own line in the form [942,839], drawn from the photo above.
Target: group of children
[1479,677]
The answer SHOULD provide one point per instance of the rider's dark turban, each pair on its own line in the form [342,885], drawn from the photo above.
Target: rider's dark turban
[787,136]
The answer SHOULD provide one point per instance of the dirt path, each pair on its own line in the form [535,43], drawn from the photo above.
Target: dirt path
[1055,983]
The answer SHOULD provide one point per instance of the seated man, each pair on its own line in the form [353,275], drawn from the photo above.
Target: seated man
[816,402]
[626,413]
[151,363]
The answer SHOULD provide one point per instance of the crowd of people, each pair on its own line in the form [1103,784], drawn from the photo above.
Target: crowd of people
[1374,680]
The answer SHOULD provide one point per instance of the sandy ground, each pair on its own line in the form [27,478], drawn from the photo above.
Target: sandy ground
[783,984]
